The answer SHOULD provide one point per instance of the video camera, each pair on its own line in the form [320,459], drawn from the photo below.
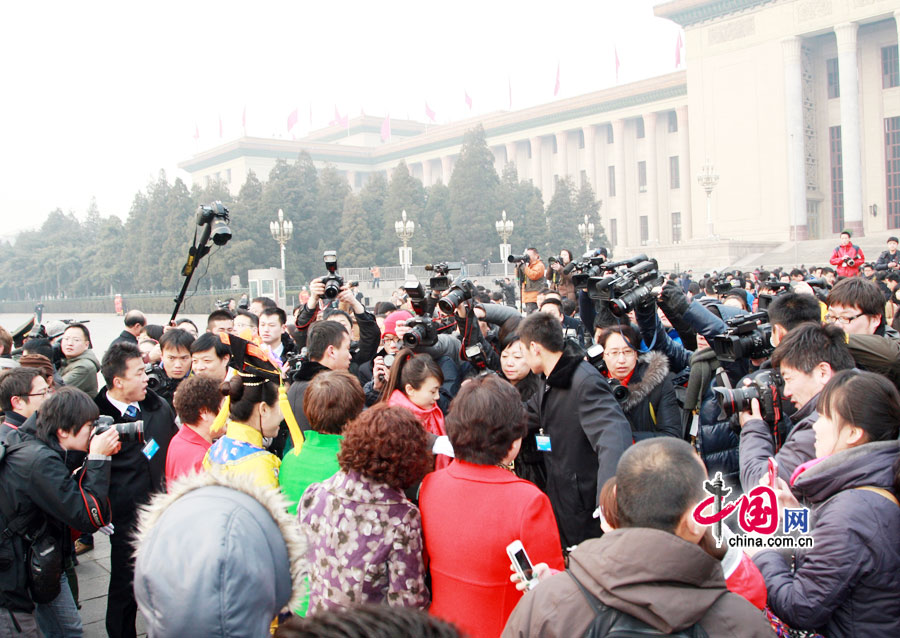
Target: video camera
[423,328]
[440,282]
[748,336]
[333,281]
[766,386]
[633,286]
[128,432]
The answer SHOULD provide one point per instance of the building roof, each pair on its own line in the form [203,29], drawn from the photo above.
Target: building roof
[691,12]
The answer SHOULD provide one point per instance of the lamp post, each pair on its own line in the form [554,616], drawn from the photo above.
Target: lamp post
[708,178]
[504,229]
[281,232]
[404,228]
[586,230]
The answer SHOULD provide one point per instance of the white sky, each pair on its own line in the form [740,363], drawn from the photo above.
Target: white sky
[97,97]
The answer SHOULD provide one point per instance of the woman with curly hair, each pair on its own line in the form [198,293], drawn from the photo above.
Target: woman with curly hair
[365,537]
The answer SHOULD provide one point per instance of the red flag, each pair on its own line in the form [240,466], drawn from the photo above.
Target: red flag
[678,46]
[244,120]
[292,119]
[429,113]
[220,125]
[617,63]
[386,128]
[556,87]
[468,100]
[343,122]
[196,131]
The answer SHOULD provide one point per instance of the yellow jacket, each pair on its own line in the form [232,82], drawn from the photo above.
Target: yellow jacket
[240,451]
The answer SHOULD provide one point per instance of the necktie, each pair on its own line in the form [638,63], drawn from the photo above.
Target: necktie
[132,412]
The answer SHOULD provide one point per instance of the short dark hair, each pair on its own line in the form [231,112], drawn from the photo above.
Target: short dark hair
[657,481]
[892,275]
[184,320]
[176,338]
[135,318]
[487,416]
[541,328]
[194,395]
[277,312]
[265,301]
[16,383]
[367,621]
[332,399]
[321,335]
[209,341]
[626,331]
[790,309]
[878,413]
[115,361]
[386,444]
[218,315]
[254,319]
[569,307]
[329,313]
[67,410]
[810,344]
[84,331]
[797,271]
[857,292]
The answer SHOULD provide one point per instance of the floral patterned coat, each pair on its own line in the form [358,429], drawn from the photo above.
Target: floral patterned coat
[365,544]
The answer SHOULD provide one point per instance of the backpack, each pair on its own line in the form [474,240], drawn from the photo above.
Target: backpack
[612,622]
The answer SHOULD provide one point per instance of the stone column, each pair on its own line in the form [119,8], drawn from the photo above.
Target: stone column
[684,167]
[619,141]
[511,152]
[850,127]
[426,172]
[446,166]
[590,155]
[562,155]
[796,163]
[652,179]
[536,161]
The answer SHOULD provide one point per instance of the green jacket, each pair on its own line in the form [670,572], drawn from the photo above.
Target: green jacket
[81,372]
[315,462]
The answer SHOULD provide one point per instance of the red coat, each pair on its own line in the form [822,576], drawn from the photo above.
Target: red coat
[852,251]
[470,513]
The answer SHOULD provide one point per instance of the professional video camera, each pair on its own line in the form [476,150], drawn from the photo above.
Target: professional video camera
[595,358]
[633,286]
[423,328]
[519,259]
[460,291]
[294,363]
[128,432]
[766,386]
[748,336]
[441,282]
[333,281]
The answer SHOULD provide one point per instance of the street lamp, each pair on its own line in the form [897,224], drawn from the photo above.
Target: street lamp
[404,229]
[708,178]
[586,230]
[505,230]
[281,232]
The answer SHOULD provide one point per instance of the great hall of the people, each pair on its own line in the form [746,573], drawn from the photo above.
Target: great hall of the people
[793,104]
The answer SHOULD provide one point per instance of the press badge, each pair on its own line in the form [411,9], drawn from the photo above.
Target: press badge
[542,441]
[150,449]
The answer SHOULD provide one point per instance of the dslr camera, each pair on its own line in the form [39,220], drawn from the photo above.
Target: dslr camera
[595,358]
[461,290]
[216,215]
[156,377]
[333,281]
[849,261]
[128,432]
[519,259]
[423,328]
[748,336]
[766,386]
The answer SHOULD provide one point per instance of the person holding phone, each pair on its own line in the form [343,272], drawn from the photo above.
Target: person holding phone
[476,507]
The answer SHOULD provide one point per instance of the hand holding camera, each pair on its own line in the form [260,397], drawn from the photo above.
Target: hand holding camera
[106,443]
[316,292]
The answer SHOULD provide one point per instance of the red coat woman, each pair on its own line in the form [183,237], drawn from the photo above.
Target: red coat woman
[473,509]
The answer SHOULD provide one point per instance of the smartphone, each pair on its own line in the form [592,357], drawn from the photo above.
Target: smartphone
[773,472]
[519,558]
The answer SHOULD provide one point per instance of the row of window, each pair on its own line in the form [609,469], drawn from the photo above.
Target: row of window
[890,71]
[674,176]
[640,133]
[645,229]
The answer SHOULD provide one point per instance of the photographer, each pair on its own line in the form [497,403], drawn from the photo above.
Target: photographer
[41,499]
[531,274]
[847,257]
[559,279]
[890,258]
[175,366]
[807,358]
[508,290]
[138,470]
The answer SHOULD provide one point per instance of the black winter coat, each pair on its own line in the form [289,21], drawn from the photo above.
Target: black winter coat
[34,479]
[588,433]
[651,407]
[848,583]
[134,477]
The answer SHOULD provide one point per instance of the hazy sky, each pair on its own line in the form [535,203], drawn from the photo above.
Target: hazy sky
[97,97]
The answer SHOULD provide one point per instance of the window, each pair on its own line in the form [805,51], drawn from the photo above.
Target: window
[674,174]
[892,169]
[676,228]
[642,177]
[837,180]
[639,124]
[580,139]
[583,178]
[890,67]
[834,84]
[609,134]
[614,232]
[645,229]
[611,171]
[673,122]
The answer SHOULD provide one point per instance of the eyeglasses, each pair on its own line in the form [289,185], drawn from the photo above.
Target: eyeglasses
[842,320]
[40,394]
[615,354]
[390,340]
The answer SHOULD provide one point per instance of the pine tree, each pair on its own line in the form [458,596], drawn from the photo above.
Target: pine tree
[473,199]
[357,248]
[405,192]
[586,203]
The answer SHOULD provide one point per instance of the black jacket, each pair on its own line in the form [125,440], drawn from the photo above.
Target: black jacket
[651,407]
[298,387]
[34,479]
[886,258]
[362,351]
[588,433]
[134,477]
[124,337]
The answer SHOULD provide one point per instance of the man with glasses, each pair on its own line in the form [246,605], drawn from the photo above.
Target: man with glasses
[22,391]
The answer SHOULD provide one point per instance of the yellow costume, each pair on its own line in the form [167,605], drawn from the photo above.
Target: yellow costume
[240,451]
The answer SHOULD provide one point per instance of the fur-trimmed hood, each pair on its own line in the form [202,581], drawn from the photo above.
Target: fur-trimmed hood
[217,556]
[651,370]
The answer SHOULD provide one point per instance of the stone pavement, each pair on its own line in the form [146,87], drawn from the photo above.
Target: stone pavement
[93,583]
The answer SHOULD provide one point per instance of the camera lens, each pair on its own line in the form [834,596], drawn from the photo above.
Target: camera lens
[451,300]
[733,401]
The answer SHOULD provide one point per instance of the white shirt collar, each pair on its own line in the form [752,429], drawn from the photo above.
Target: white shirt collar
[122,407]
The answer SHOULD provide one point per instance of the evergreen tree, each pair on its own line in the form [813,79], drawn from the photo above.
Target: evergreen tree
[405,192]
[562,218]
[586,203]
[436,225]
[333,190]
[357,248]
[372,197]
[473,198]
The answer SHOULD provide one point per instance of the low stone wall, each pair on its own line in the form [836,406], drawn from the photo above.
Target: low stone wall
[149,302]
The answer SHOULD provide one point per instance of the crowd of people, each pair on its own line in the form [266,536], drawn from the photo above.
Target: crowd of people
[339,470]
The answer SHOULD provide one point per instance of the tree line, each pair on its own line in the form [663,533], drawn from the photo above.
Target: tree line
[101,254]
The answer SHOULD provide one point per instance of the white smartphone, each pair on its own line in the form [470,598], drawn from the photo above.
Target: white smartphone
[519,558]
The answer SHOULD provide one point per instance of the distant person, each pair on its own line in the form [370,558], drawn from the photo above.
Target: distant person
[261,303]
[81,365]
[245,320]
[847,257]
[220,321]
[272,333]
[134,325]
[889,259]
[376,276]
[188,326]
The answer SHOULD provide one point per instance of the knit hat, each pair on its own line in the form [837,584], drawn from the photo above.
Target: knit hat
[390,322]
